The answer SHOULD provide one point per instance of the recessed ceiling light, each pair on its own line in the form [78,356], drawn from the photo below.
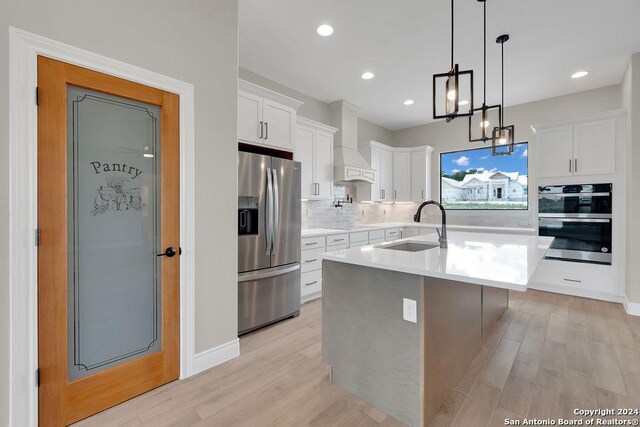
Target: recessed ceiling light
[579,74]
[325,30]
[409,102]
[463,102]
[368,75]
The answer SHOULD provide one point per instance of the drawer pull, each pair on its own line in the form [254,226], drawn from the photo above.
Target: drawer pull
[393,232]
[312,260]
[311,243]
[311,283]
[573,280]
[338,240]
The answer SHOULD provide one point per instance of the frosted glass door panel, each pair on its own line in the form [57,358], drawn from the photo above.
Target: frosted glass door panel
[114,280]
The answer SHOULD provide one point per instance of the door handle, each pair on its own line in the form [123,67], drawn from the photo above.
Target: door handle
[569,165]
[318,184]
[423,194]
[575,165]
[261,130]
[170,252]
[266,130]
[276,210]
[395,194]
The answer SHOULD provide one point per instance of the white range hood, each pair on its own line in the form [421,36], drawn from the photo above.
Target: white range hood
[348,163]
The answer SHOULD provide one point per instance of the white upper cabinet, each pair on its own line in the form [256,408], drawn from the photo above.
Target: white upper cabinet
[386,175]
[305,155]
[421,174]
[380,158]
[402,176]
[556,151]
[594,148]
[249,117]
[314,149]
[266,117]
[583,148]
[324,164]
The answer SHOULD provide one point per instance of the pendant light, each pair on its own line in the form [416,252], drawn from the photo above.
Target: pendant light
[503,136]
[480,130]
[451,86]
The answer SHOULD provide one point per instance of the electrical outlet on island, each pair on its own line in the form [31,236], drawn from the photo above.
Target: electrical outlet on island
[410,310]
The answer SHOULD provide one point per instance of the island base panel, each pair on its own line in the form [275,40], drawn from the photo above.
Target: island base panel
[405,369]
[374,353]
[452,337]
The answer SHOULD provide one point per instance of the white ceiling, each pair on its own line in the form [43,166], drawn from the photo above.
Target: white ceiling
[404,42]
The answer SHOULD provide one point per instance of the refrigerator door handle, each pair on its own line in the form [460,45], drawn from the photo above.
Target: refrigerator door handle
[269,213]
[276,210]
[271,272]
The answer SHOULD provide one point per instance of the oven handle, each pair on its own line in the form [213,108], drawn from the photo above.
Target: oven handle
[541,195]
[575,220]
[574,215]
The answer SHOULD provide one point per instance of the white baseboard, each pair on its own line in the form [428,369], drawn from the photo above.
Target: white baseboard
[585,293]
[632,308]
[311,297]
[216,356]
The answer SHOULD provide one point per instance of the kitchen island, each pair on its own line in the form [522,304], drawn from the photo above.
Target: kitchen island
[408,368]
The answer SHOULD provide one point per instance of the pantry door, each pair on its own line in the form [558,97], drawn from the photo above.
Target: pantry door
[108,255]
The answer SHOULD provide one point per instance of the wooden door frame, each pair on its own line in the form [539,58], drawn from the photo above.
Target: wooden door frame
[23,125]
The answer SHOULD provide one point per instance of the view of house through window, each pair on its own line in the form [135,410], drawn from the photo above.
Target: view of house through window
[474,179]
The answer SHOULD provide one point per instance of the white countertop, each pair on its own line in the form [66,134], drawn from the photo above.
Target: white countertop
[498,260]
[313,232]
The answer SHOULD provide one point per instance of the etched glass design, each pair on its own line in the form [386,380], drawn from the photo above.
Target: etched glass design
[114,276]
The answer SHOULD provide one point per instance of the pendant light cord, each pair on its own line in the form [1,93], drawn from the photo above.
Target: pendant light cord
[452,34]
[502,78]
[484,101]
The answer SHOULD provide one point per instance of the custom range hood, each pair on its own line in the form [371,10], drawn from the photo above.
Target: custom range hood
[348,163]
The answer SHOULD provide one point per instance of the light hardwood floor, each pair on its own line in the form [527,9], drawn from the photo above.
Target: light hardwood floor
[548,354]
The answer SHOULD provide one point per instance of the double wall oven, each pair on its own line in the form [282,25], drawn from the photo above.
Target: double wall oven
[580,219]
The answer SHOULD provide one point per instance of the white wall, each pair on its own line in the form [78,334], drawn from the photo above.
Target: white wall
[192,40]
[455,135]
[631,99]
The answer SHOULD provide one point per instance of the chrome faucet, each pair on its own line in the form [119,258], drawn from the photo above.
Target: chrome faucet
[442,237]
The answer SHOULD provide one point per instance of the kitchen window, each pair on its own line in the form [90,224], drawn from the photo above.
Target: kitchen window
[475,180]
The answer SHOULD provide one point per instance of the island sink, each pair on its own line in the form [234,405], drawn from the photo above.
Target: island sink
[411,246]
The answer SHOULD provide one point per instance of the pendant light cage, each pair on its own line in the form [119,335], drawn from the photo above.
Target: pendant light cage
[481,123]
[480,129]
[503,135]
[453,86]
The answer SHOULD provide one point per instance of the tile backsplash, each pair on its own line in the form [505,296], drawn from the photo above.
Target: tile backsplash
[324,214]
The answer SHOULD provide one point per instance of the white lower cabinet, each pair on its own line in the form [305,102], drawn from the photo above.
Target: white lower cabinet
[337,240]
[311,285]
[310,260]
[392,234]
[376,235]
[311,266]
[359,237]
[588,280]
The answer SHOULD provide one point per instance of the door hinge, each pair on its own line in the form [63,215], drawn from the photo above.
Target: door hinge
[37,95]
[38,377]
[37,237]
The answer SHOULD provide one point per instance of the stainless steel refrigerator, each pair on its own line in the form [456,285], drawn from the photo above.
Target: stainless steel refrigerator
[268,240]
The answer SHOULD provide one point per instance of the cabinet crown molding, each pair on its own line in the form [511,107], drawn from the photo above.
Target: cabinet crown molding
[303,121]
[268,93]
[582,119]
